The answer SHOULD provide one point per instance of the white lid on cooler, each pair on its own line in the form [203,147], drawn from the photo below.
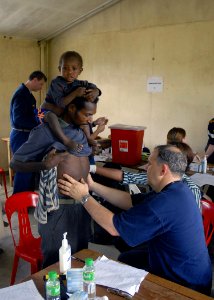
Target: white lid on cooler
[127,127]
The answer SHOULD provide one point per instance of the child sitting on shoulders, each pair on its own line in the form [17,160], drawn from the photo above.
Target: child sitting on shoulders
[63,89]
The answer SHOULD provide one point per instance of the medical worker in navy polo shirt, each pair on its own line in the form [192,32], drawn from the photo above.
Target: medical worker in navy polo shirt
[22,120]
[167,218]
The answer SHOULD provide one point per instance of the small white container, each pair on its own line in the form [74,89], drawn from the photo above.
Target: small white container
[74,280]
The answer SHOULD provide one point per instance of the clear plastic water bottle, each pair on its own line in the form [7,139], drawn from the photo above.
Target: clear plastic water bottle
[53,287]
[89,285]
[204,165]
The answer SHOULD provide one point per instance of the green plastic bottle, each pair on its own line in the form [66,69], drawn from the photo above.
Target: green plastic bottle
[53,287]
[89,285]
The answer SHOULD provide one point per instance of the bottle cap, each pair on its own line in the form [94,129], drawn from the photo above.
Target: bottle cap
[64,241]
[89,261]
[52,275]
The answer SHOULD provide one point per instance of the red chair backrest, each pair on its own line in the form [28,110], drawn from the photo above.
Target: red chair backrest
[208,219]
[20,203]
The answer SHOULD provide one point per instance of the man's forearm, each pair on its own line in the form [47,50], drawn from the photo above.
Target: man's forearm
[52,160]
[19,166]
[210,150]
[118,198]
[110,173]
[101,215]
[94,134]
[66,100]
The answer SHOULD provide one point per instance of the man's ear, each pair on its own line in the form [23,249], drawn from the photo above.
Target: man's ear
[34,80]
[164,169]
[59,68]
[80,71]
[71,108]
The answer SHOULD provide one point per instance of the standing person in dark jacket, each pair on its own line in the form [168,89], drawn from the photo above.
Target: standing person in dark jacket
[22,120]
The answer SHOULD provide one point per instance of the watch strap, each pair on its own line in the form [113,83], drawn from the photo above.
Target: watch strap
[85,199]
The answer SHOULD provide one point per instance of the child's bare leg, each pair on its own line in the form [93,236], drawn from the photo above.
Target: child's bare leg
[56,129]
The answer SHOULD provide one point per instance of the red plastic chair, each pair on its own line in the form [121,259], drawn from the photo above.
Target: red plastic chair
[28,247]
[208,219]
[2,172]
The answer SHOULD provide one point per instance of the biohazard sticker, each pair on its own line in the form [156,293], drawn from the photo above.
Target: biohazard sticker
[123,146]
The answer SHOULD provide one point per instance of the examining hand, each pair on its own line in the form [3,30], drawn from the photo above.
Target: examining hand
[72,188]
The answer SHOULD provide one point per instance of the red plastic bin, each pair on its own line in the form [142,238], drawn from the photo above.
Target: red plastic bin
[127,141]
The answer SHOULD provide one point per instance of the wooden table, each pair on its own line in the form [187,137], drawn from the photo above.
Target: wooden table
[152,287]
[9,155]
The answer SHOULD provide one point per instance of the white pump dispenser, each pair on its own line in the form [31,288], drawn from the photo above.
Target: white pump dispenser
[64,255]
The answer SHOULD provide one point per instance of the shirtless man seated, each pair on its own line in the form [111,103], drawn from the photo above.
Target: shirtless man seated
[55,213]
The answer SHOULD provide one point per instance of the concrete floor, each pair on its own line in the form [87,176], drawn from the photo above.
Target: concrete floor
[6,243]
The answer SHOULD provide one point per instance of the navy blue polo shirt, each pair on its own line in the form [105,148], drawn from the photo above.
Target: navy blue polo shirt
[172,224]
[22,108]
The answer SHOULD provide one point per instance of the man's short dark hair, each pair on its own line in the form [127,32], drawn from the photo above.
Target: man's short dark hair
[173,157]
[68,55]
[79,103]
[37,74]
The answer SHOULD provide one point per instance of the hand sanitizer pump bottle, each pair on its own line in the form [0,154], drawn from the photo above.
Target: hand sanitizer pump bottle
[64,255]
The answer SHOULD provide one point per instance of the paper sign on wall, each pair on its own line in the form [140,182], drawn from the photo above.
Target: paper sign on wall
[155,84]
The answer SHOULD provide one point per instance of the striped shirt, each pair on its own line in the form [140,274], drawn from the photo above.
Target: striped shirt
[48,195]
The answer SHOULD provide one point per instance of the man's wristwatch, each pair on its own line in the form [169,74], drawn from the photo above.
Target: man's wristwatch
[85,199]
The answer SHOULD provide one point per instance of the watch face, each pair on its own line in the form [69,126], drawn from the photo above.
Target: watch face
[85,199]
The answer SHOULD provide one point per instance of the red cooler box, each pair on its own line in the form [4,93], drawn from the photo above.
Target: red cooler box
[127,141]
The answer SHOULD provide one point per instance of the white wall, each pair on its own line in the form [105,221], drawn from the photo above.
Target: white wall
[18,58]
[125,44]
[121,47]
